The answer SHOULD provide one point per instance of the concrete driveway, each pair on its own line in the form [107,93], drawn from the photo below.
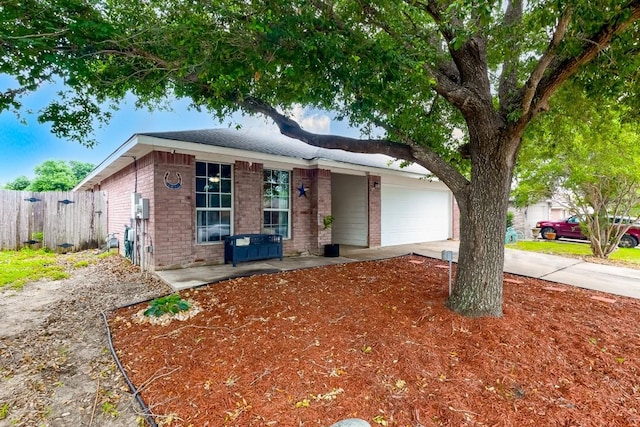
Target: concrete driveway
[568,271]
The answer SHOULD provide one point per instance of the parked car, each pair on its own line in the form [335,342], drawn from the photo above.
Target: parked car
[570,229]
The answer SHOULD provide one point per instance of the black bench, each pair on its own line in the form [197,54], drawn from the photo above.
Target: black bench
[251,247]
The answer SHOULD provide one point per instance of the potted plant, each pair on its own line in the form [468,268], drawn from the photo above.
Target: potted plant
[331,249]
[535,231]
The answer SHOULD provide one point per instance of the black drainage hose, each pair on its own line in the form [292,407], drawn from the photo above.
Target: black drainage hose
[145,409]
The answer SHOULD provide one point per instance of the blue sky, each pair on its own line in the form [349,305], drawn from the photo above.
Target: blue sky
[26,146]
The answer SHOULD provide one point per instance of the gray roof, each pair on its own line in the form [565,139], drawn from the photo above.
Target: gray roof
[280,145]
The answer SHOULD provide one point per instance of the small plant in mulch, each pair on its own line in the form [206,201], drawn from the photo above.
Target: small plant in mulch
[170,304]
[163,310]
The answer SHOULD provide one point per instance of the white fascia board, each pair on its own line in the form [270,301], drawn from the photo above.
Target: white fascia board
[361,170]
[96,175]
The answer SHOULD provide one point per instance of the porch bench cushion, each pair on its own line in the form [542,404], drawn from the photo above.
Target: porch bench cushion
[251,247]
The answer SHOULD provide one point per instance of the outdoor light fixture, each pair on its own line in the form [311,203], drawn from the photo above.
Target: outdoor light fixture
[376,184]
[214,179]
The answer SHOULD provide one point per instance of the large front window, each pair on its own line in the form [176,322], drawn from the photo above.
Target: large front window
[275,196]
[213,202]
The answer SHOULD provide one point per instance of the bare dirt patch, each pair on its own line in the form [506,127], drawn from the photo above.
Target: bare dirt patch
[373,340]
[55,369]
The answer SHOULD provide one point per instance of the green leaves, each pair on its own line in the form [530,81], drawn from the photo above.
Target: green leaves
[169,304]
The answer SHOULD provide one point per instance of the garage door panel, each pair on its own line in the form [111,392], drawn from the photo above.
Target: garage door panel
[349,205]
[413,215]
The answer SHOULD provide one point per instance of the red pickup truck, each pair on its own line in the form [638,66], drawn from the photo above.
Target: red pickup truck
[570,229]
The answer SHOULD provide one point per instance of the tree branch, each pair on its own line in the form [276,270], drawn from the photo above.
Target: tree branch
[509,76]
[539,89]
[409,150]
[550,54]
[292,129]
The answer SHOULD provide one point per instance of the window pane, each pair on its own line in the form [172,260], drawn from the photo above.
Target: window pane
[225,186]
[225,217]
[201,184]
[283,203]
[275,202]
[201,218]
[213,217]
[213,192]
[213,170]
[283,178]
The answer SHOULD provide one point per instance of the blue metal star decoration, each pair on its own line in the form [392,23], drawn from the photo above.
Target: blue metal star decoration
[302,191]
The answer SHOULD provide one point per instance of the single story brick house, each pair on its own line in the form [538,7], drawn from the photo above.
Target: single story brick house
[199,186]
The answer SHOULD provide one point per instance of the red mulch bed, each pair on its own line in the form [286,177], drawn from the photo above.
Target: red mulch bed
[373,340]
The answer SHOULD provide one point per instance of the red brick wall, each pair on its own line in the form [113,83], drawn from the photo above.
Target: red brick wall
[247,190]
[375,211]
[308,233]
[173,212]
[301,212]
[119,188]
[170,230]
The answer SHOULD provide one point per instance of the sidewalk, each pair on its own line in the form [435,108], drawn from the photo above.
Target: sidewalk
[569,271]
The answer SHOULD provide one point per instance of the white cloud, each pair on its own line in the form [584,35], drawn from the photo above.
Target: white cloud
[310,121]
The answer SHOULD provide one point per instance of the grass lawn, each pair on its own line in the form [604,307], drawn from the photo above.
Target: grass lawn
[27,265]
[562,248]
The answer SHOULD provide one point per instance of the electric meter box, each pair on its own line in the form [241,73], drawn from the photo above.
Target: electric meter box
[143,209]
[135,201]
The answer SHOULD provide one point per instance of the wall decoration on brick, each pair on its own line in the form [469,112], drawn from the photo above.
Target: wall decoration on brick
[173,185]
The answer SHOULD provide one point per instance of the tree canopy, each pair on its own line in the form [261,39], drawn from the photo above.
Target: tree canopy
[586,154]
[415,69]
[53,175]
[18,184]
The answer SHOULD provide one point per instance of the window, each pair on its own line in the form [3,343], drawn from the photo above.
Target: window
[275,196]
[213,202]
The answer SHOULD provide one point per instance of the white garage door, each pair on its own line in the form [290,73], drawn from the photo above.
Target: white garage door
[414,215]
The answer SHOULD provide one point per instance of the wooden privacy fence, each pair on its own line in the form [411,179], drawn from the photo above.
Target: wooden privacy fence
[60,221]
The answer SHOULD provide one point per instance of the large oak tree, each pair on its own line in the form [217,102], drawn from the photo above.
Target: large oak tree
[415,69]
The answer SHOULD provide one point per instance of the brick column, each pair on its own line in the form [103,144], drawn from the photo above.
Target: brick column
[321,206]
[247,184]
[455,220]
[375,210]
[172,220]
[308,233]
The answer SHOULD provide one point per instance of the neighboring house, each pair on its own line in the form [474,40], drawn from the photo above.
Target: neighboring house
[525,219]
[202,185]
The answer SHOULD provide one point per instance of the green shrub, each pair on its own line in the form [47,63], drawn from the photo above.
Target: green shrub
[510,217]
[169,304]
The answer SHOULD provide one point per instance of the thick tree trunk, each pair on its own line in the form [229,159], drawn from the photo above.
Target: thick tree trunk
[483,208]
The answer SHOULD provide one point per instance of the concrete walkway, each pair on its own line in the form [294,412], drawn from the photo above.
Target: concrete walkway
[569,271]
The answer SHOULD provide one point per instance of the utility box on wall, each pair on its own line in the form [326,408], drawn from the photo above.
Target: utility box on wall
[143,209]
[139,206]
[135,201]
